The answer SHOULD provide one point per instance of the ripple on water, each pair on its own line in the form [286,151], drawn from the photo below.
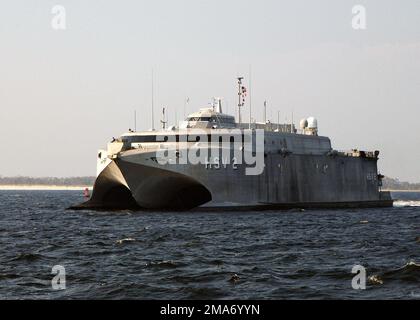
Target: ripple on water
[27,257]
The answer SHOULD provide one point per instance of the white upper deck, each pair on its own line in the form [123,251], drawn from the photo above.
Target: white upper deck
[211,122]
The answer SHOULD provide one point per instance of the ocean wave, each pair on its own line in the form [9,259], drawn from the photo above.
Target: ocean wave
[27,257]
[162,264]
[408,273]
[126,240]
[8,276]
[405,203]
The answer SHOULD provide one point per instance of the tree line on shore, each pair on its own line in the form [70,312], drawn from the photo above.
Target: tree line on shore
[47,181]
[388,183]
[395,184]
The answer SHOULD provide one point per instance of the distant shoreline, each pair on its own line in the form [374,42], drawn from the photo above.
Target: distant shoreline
[401,190]
[58,188]
[43,187]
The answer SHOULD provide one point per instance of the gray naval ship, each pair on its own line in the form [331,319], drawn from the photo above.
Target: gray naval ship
[298,168]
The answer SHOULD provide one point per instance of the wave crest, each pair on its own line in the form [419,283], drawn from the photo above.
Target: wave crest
[125,240]
[408,273]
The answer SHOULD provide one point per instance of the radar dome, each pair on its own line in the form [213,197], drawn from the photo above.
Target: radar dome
[312,123]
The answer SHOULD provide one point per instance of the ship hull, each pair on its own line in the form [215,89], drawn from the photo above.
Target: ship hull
[135,181]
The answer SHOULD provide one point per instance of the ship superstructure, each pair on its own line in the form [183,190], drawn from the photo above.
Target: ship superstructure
[299,168]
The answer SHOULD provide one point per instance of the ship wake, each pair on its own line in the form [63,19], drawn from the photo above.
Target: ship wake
[405,203]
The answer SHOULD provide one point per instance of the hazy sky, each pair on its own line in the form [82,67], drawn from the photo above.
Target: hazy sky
[64,94]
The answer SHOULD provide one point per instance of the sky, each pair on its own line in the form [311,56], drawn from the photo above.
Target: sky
[66,93]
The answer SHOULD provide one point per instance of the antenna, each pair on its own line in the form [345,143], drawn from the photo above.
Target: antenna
[135,121]
[291,125]
[278,120]
[241,98]
[286,129]
[250,100]
[185,104]
[153,102]
[265,111]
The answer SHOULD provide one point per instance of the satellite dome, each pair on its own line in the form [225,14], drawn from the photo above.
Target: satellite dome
[312,123]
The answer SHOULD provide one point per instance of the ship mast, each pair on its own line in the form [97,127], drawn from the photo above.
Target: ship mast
[265,111]
[241,99]
[250,97]
[153,101]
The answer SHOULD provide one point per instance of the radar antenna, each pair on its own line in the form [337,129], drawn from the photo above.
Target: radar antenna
[241,97]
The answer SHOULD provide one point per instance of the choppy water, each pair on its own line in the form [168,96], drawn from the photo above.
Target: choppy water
[277,255]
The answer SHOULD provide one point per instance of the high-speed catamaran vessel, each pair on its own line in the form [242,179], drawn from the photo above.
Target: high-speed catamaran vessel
[210,161]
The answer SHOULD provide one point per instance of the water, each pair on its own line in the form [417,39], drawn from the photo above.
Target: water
[136,255]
